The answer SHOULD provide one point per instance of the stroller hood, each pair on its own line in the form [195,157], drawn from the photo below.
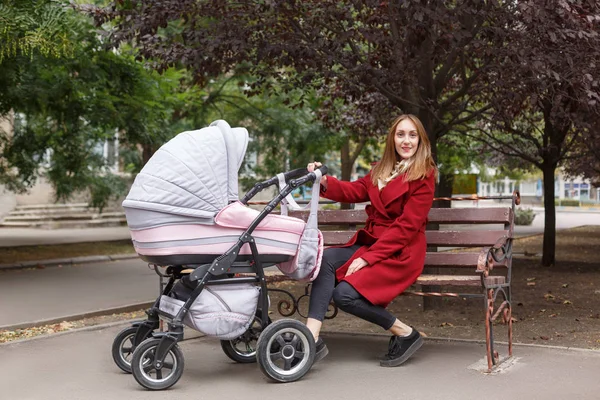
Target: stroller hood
[195,174]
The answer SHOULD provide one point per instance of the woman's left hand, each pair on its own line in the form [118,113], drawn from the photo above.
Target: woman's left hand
[356,265]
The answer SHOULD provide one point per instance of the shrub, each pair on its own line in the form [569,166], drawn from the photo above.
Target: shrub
[567,202]
[524,216]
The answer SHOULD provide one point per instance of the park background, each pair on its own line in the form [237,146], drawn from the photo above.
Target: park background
[508,93]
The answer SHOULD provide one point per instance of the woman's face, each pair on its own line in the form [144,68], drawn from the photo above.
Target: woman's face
[406,139]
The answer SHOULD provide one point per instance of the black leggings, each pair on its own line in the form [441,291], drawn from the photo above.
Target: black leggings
[344,295]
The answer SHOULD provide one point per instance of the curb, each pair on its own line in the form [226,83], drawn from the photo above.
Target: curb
[77,317]
[66,261]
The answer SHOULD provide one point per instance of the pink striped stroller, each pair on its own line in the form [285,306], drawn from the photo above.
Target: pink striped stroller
[184,214]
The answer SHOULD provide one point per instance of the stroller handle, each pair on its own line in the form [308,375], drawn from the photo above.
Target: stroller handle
[300,172]
[295,177]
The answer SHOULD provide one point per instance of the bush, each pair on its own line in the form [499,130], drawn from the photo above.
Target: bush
[567,202]
[524,216]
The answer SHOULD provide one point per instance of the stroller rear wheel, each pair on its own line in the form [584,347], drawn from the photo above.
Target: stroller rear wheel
[147,375]
[285,350]
[123,347]
[243,348]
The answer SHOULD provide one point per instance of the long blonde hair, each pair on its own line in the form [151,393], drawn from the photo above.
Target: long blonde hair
[421,163]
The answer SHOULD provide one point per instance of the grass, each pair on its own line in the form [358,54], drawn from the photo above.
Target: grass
[9,255]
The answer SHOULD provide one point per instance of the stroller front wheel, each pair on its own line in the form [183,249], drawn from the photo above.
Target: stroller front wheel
[123,347]
[144,371]
[286,350]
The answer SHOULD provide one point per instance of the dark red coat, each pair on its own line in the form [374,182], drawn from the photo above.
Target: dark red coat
[393,238]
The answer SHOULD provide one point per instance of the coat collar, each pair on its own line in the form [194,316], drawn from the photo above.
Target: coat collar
[393,190]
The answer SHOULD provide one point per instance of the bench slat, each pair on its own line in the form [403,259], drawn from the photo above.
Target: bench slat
[335,217]
[458,280]
[465,238]
[489,215]
[336,238]
[456,260]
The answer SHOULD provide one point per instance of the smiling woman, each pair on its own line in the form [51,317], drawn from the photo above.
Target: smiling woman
[386,257]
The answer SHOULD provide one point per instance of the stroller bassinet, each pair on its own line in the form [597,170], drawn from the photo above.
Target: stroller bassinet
[178,209]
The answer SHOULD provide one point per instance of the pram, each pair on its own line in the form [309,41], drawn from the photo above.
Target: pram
[184,217]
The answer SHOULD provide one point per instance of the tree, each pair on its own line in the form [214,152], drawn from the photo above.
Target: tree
[42,26]
[543,89]
[68,103]
[429,58]
[584,159]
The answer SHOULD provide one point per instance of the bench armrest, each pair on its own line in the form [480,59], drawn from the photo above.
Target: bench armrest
[497,253]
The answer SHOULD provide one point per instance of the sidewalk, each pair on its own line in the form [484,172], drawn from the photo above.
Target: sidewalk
[440,370]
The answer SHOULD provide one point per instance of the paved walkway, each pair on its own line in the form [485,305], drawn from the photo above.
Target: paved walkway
[78,366]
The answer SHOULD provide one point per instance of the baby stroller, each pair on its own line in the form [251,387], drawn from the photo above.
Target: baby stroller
[184,214]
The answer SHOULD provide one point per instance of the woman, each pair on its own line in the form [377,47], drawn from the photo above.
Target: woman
[387,255]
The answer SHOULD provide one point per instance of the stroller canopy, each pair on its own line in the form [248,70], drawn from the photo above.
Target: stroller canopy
[195,174]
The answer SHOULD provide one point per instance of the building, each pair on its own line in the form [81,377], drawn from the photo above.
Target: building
[566,188]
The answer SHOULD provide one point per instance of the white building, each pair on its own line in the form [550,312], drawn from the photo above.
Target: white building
[532,189]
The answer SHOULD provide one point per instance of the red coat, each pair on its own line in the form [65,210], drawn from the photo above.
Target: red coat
[393,238]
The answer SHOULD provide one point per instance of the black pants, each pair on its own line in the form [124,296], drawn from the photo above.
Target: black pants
[344,295]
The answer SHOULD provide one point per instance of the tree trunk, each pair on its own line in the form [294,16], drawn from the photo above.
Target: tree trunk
[444,189]
[346,168]
[147,152]
[549,248]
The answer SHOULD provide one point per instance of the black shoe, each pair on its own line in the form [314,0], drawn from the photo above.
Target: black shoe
[401,348]
[322,350]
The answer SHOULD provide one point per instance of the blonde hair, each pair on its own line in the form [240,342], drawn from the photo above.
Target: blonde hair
[421,163]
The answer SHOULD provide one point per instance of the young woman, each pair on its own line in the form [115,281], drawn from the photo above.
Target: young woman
[387,255]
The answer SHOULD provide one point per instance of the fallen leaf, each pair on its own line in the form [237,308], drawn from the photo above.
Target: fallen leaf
[519,304]
[552,315]
[530,283]
[446,324]
[567,302]
[566,285]
[544,337]
[530,279]
[548,296]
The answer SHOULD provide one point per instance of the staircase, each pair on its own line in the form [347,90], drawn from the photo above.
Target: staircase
[55,216]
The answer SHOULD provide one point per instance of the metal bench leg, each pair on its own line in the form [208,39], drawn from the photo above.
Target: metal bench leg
[489,333]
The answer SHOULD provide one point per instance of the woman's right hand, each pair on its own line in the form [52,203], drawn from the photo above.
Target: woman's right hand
[311,167]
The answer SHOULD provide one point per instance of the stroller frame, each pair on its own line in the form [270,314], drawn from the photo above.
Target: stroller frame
[221,271]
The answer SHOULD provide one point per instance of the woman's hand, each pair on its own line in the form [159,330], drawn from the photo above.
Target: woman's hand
[311,167]
[356,265]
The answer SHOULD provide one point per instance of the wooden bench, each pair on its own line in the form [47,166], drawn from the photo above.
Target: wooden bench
[480,265]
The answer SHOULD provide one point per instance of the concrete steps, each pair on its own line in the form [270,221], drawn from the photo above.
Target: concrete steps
[70,215]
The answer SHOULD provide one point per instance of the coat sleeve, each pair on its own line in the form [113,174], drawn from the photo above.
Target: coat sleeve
[348,192]
[406,226]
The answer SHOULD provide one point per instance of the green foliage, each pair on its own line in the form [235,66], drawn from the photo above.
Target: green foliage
[567,202]
[42,26]
[65,106]
[465,184]
[524,216]
[105,188]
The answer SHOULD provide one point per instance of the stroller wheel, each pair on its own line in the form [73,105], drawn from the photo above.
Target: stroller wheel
[145,372]
[243,349]
[122,348]
[285,350]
